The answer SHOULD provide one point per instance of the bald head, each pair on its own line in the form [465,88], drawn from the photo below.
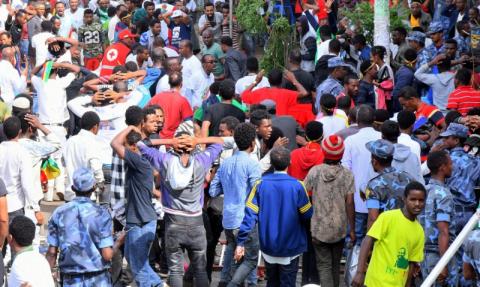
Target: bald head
[158,55]
[8,52]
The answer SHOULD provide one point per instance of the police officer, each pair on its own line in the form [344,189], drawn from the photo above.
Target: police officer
[466,173]
[435,32]
[471,255]
[438,219]
[82,231]
[384,192]
[416,40]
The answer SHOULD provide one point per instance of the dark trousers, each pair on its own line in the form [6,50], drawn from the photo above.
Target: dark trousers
[157,251]
[120,277]
[214,228]
[309,265]
[185,233]
[282,275]
[328,262]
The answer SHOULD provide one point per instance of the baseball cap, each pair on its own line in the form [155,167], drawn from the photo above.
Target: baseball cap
[177,13]
[416,36]
[456,130]
[83,180]
[380,148]
[126,34]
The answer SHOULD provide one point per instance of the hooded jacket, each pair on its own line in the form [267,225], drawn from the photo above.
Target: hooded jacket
[303,159]
[330,185]
[405,160]
[442,85]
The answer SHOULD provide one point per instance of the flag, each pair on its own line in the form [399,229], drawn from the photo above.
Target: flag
[50,168]
[47,69]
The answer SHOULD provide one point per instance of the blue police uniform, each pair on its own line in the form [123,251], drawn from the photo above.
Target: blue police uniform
[439,207]
[80,229]
[386,191]
[471,252]
[465,176]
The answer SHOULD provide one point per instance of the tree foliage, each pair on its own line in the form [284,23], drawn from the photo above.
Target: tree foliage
[361,17]
[279,43]
[248,15]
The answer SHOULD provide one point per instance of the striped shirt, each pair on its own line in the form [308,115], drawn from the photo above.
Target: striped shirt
[463,98]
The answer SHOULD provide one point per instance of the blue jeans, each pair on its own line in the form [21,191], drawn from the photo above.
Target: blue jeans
[225,276]
[137,247]
[186,233]
[241,270]
[282,275]
[360,226]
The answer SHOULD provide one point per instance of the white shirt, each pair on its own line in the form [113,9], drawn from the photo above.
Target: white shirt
[243,83]
[41,48]
[357,159]
[112,120]
[408,141]
[65,58]
[189,67]
[39,150]
[198,87]
[133,58]
[3,16]
[76,18]
[164,86]
[32,267]
[11,83]
[17,173]
[332,124]
[52,98]
[111,27]
[81,151]
[65,27]
[322,49]
[171,53]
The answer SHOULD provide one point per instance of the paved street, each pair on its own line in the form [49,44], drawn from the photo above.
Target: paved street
[49,207]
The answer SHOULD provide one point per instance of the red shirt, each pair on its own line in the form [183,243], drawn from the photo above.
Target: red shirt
[303,159]
[463,99]
[282,97]
[176,109]
[286,103]
[431,113]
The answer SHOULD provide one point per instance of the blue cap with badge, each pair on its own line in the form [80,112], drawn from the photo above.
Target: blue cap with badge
[381,148]
[456,130]
[83,180]
[435,27]
[416,36]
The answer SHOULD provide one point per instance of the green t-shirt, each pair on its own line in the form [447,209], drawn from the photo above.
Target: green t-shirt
[217,52]
[198,115]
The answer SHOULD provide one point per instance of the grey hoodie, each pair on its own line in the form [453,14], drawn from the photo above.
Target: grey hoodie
[405,160]
[442,85]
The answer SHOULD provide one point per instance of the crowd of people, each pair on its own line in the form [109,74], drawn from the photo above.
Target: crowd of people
[153,127]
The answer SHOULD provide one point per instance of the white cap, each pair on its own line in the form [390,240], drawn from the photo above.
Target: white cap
[177,13]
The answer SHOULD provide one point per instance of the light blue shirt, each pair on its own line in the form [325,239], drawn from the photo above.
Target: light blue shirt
[235,179]
[329,86]
[357,159]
